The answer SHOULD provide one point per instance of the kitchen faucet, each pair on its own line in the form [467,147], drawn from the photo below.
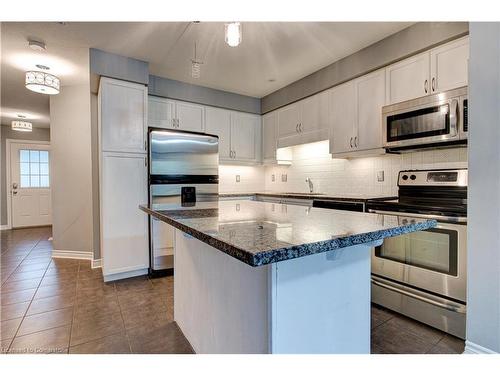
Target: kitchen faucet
[311,187]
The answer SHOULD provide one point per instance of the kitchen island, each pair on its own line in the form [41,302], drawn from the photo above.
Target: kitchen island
[256,277]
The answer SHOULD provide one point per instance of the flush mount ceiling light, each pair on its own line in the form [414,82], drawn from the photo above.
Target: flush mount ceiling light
[22,126]
[36,45]
[233,33]
[41,82]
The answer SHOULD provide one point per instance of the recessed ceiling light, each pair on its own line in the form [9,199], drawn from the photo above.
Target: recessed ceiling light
[43,67]
[36,45]
[271,80]
[41,82]
[22,126]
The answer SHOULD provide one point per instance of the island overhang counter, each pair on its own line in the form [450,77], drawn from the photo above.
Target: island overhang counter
[257,277]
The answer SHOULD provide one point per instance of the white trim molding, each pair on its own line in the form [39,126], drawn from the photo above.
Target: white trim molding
[68,254]
[5,227]
[471,348]
[125,275]
[96,263]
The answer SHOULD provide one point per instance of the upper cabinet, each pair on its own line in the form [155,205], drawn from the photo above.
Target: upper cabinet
[269,133]
[123,116]
[239,135]
[304,121]
[408,79]
[440,69]
[173,114]
[356,108]
[450,65]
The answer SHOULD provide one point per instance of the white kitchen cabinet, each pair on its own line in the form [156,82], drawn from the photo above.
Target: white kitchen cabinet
[370,98]
[161,112]
[450,65]
[124,228]
[288,121]
[343,114]
[408,79]
[174,114]
[269,133]
[190,116]
[218,122]
[246,137]
[122,116]
[356,110]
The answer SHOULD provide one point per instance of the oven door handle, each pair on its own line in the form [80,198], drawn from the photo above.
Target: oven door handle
[458,309]
[449,219]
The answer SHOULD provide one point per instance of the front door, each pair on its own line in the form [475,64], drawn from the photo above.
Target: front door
[30,184]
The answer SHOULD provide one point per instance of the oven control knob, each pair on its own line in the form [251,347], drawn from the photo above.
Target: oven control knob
[405,177]
[413,177]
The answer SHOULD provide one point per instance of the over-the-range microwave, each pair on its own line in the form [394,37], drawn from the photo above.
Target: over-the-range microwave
[438,120]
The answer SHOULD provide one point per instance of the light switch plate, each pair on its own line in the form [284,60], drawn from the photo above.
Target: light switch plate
[380,176]
[237,178]
[284,177]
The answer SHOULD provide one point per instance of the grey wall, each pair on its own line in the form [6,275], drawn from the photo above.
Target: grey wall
[38,134]
[71,167]
[170,88]
[483,260]
[407,42]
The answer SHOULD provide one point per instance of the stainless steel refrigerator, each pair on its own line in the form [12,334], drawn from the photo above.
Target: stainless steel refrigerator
[178,162]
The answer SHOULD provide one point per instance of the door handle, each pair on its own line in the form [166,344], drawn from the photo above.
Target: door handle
[433,84]
[356,141]
[14,185]
[297,128]
[350,142]
[425,86]
[300,127]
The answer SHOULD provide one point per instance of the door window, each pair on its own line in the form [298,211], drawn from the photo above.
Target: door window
[34,168]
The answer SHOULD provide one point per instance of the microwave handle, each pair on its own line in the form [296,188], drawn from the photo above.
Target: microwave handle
[454,117]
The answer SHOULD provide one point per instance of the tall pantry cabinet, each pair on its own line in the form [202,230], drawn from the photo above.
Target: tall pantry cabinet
[122,108]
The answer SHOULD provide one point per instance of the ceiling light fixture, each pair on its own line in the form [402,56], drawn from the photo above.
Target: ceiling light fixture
[233,33]
[22,126]
[41,82]
[36,45]
[195,65]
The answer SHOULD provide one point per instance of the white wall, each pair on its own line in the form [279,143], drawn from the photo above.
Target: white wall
[354,176]
[483,260]
[71,167]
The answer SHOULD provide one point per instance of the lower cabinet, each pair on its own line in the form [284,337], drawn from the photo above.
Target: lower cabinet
[124,228]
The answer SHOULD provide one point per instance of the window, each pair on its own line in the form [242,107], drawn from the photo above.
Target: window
[34,168]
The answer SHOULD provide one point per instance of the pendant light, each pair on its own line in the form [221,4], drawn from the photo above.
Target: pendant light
[233,34]
[195,65]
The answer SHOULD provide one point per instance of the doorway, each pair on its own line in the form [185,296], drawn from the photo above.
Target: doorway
[28,183]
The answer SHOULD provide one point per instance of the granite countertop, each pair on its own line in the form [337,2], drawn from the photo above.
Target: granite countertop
[260,233]
[352,198]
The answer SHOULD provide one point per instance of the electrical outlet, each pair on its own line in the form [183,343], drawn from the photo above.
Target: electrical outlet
[237,178]
[273,177]
[284,177]
[380,176]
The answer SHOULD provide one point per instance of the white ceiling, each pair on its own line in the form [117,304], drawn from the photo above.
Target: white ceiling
[282,51]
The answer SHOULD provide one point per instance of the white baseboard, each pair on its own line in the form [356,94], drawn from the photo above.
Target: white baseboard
[125,275]
[4,227]
[471,348]
[96,263]
[72,254]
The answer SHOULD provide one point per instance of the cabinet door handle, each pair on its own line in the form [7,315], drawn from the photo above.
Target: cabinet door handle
[297,128]
[433,84]
[300,127]
[350,142]
[425,86]
[356,141]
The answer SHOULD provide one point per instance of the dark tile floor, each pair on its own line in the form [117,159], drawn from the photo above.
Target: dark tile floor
[63,306]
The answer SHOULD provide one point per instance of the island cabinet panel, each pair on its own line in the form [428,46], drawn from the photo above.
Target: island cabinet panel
[314,304]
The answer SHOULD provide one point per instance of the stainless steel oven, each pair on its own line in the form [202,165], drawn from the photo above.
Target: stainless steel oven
[424,274]
[431,121]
